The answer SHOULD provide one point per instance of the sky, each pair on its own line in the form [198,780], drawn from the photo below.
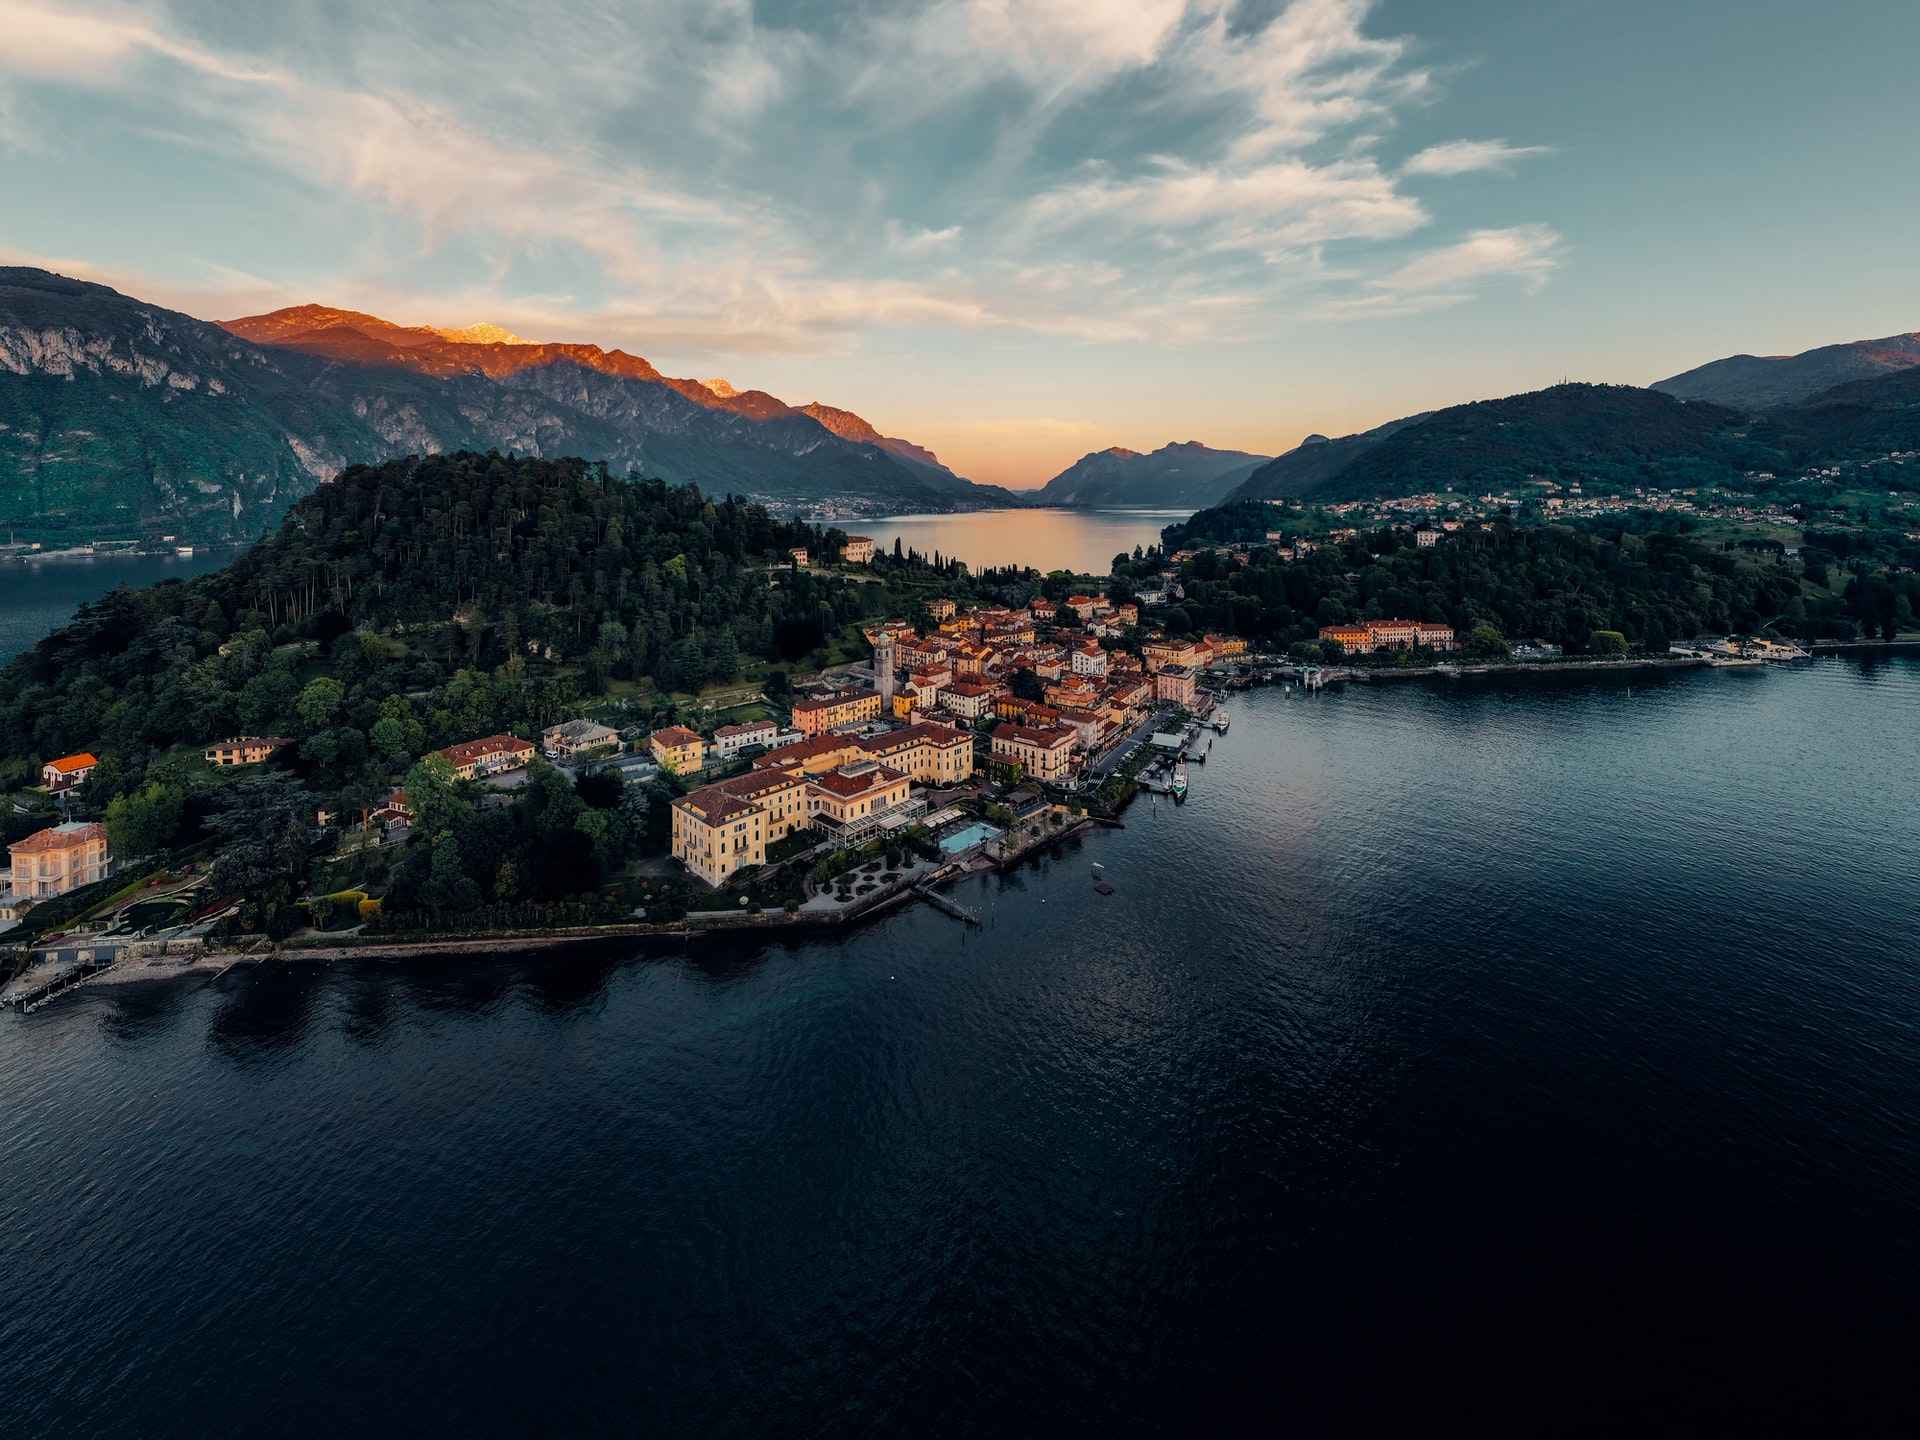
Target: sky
[1009,230]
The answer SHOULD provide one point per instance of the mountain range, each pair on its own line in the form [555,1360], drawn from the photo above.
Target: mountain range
[122,417]
[1766,382]
[118,415]
[1185,473]
[1626,434]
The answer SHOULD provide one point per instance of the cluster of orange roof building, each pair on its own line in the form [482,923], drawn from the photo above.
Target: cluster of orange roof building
[843,771]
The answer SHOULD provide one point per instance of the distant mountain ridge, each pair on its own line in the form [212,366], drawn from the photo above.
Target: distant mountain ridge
[1616,433]
[499,354]
[118,416]
[1182,473]
[1766,382]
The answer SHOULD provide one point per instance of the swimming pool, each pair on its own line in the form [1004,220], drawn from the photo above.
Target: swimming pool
[978,833]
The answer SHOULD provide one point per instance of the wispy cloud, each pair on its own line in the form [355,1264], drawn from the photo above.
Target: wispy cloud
[1451,274]
[706,181]
[917,240]
[1465,157]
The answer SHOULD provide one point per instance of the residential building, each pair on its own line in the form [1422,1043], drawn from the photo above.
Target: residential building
[969,699]
[932,754]
[1224,646]
[1161,653]
[1087,724]
[1132,695]
[1072,690]
[1426,539]
[1044,754]
[243,749]
[679,750]
[58,859]
[730,740]
[842,707]
[68,771]
[716,835]
[494,755]
[1174,683]
[576,737]
[799,557]
[1354,639]
[1089,659]
[942,609]
[858,550]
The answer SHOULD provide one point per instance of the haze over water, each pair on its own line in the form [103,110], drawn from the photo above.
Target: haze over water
[1084,541]
[1534,1056]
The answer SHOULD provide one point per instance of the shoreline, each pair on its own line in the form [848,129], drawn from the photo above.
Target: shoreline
[1562,667]
[253,950]
[212,964]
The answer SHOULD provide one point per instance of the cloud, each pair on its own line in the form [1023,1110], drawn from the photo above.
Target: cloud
[1293,202]
[708,177]
[1449,275]
[1465,157]
[915,240]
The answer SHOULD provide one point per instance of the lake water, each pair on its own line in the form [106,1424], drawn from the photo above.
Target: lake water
[1537,1057]
[39,596]
[1084,541]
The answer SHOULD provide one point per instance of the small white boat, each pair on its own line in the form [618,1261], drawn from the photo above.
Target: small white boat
[1179,785]
[1221,720]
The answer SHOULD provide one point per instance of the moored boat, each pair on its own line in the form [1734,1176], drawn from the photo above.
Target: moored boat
[1221,720]
[1179,784]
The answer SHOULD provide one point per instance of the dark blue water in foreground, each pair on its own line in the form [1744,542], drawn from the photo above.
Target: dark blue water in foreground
[1532,1058]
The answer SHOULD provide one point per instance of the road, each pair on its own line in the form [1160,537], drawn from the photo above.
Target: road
[1116,754]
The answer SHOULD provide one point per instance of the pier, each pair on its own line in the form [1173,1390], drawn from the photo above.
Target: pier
[941,902]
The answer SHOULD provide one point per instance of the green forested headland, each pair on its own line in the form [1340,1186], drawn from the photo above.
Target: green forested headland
[1557,583]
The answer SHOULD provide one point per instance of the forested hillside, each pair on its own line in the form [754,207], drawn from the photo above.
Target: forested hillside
[1554,583]
[488,589]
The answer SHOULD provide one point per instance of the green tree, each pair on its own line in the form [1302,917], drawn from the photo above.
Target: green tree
[1607,642]
[146,821]
[1485,642]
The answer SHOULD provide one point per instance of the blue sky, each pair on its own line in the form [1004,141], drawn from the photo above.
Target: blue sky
[1012,231]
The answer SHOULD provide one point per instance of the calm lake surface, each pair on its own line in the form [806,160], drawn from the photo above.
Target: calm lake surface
[1084,541]
[37,597]
[1533,1057]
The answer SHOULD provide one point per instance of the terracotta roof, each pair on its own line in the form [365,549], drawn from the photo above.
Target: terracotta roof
[923,732]
[676,735]
[59,837]
[1046,739]
[855,780]
[714,805]
[838,697]
[801,751]
[750,727]
[756,783]
[470,750]
[67,764]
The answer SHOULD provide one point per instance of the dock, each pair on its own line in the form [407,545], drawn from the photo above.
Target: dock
[941,902]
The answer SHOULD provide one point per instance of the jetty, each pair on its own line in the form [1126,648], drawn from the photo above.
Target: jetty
[945,903]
